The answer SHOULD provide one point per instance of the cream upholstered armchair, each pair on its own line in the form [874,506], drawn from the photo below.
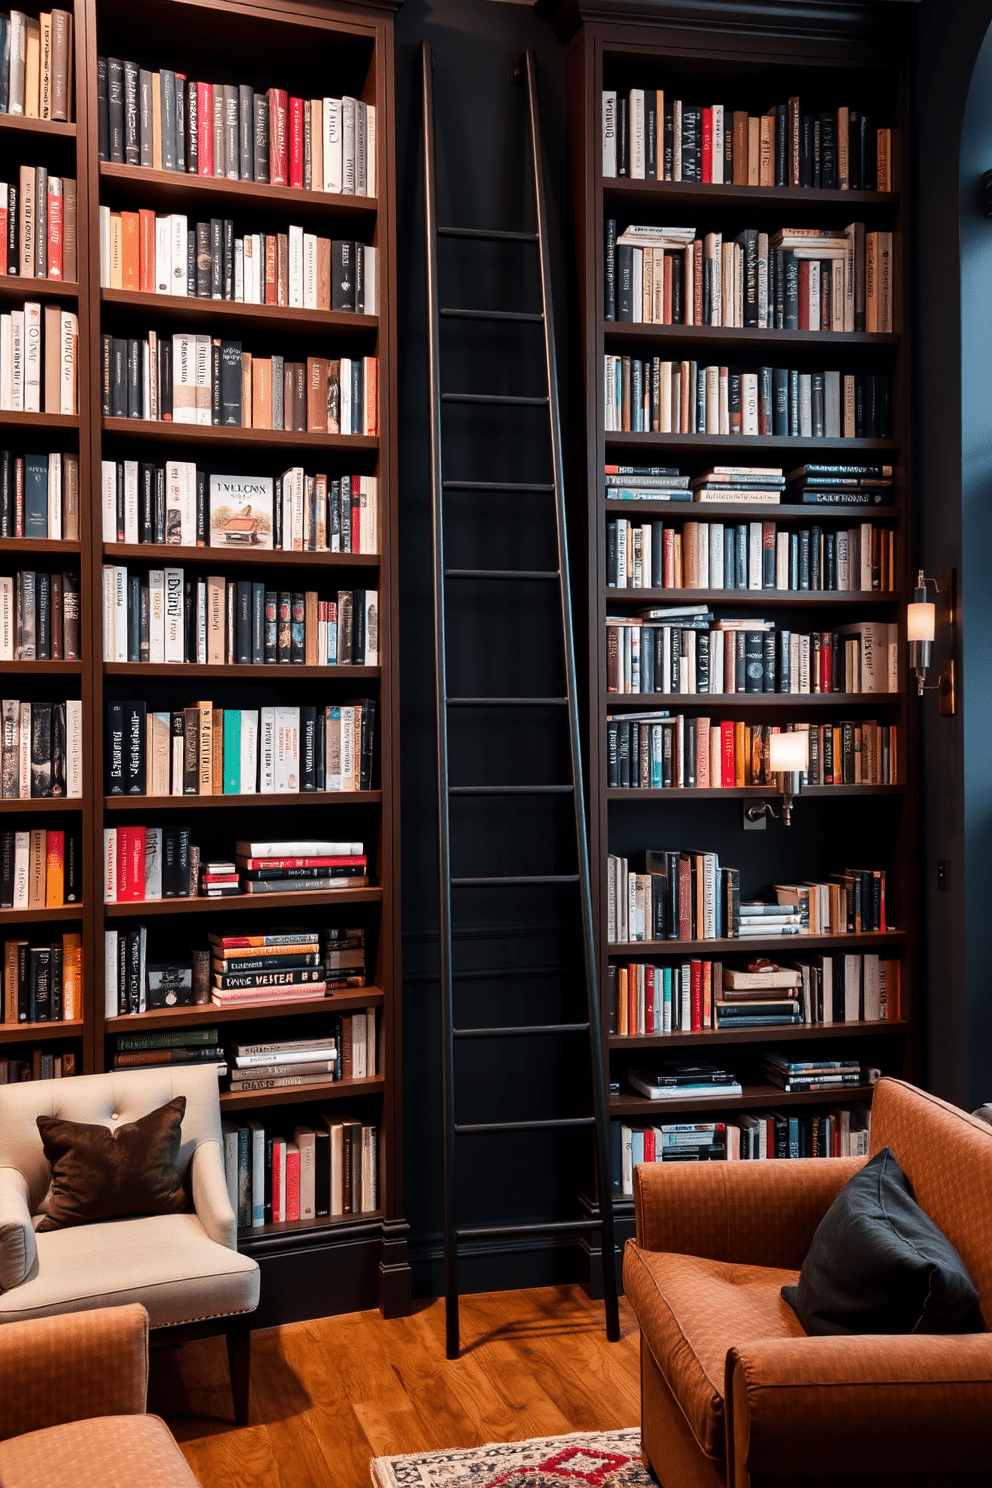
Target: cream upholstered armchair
[184,1269]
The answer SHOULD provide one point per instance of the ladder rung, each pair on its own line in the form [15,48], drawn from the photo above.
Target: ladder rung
[521,1029]
[510,790]
[494,400]
[453,313]
[547,1227]
[508,881]
[485,234]
[553,1124]
[506,702]
[450,485]
[501,573]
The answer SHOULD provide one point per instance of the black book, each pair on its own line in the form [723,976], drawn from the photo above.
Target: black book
[230,384]
[115,108]
[243,623]
[768,660]
[610,306]
[854,177]
[114,767]
[133,986]
[203,260]
[781,144]
[43,617]
[118,378]
[806,150]
[246,132]
[7,513]
[72,878]
[665,128]
[215,382]
[651,135]
[816,399]
[58,785]
[692,151]
[23,982]
[106,375]
[322,1172]
[216,258]
[284,627]
[828,151]
[228,248]
[180,123]
[40,985]
[102,117]
[271,626]
[867,151]
[160,504]
[145,116]
[258,624]
[368,743]
[359,279]
[748,240]
[56,985]
[342,274]
[816,153]
[624,282]
[134,748]
[133,617]
[297,633]
[132,133]
[261,137]
[191,131]
[165,378]
[122,960]
[320,764]
[135,409]
[175,862]
[790,295]
[191,262]
[146,500]
[41,750]
[308,749]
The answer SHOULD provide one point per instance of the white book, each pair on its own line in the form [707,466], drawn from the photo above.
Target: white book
[110,1007]
[120,614]
[6,619]
[18,60]
[202,382]
[718,144]
[371,1053]
[358,1038]
[370,149]
[178,254]
[348,749]
[104,246]
[609,132]
[287,750]
[32,358]
[754,546]
[371,627]
[187,482]
[345,410]
[175,594]
[163,255]
[130,501]
[248,268]
[781,560]
[110,874]
[349,113]
[70,340]
[201,622]
[239,270]
[54,496]
[361,148]
[6,361]
[17,360]
[295,267]
[158,754]
[153,854]
[371,256]
[249,751]
[183,380]
[266,751]
[177,746]
[108,612]
[332,144]
[310,271]
[108,499]
[305,1140]
[636,133]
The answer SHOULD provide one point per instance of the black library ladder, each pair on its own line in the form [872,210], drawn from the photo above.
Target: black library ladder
[479,698]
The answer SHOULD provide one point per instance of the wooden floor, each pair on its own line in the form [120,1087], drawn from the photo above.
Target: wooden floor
[328,1396]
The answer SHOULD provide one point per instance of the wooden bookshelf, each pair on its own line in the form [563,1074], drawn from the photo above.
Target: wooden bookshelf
[312,48]
[703,54]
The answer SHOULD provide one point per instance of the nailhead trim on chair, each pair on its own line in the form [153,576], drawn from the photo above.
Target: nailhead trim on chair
[207,1317]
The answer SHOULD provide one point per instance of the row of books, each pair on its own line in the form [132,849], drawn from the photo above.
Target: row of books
[42,749]
[38,225]
[749,555]
[333,959]
[39,616]
[320,1172]
[682,652]
[164,255]
[36,65]
[648,136]
[846,484]
[688,896]
[43,983]
[697,995]
[38,347]
[40,869]
[181,504]
[39,496]
[797,279]
[204,750]
[42,1065]
[162,616]
[151,863]
[191,378]
[661,397]
[655,751]
[164,121]
[748,1137]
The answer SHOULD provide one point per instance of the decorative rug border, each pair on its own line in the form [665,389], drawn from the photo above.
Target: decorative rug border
[417,1464]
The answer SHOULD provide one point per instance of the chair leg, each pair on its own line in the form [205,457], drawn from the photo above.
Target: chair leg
[238,1334]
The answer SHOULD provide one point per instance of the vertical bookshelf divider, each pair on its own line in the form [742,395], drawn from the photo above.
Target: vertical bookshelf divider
[698,54]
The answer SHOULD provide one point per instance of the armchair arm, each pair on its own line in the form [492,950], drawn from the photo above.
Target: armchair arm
[71,1367]
[861,1406]
[754,1213]
[18,1247]
[210,1196]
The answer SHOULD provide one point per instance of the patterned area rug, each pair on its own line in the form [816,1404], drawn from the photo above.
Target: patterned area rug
[607,1459]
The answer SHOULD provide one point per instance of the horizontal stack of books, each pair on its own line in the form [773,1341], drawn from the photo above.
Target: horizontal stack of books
[840,485]
[754,919]
[320,1172]
[759,996]
[812,1076]
[676,1080]
[758,484]
[283,1063]
[344,958]
[272,967]
[281,867]
[170,1047]
[646,483]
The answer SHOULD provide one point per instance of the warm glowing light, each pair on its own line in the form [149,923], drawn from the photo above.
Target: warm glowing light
[789,752]
[921,621]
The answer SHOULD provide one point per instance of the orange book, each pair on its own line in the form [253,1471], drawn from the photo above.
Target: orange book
[316,395]
[740,148]
[146,256]
[55,873]
[261,393]
[246,385]
[739,750]
[130,254]
[270,270]
[323,273]
[37,869]
[72,977]
[623,1008]
[371,396]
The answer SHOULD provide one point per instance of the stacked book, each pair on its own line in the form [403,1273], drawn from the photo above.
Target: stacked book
[752,483]
[258,970]
[757,919]
[344,958]
[284,867]
[218,879]
[170,1047]
[840,485]
[645,483]
[759,996]
[283,1064]
[808,1076]
[677,1079]
[701,1141]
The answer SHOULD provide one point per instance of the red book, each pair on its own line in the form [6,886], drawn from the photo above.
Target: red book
[3,234]
[55,234]
[649,999]
[292,1181]
[728,768]
[632,1027]
[804,294]
[707,994]
[708,144]
[296,143]
[278,143]
[696,995]
[130,863]
[827,661]
[278,1177]
[685,898]
[204,129]
[668,559]
[358,861]
[649,1146]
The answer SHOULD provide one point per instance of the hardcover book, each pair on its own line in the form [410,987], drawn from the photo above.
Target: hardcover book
[240,511]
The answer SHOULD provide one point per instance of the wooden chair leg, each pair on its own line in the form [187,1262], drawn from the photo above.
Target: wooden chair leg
[238,1333]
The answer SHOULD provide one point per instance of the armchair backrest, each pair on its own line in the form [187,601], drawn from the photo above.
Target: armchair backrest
[110,1100]
[947,1157]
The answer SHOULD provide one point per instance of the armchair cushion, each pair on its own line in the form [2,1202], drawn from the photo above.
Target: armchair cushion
[17,1243]
[106,1452]
[691,1311]
[100,1173]
[879,1264]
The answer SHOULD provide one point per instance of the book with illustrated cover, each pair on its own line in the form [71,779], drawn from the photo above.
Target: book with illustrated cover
[240,511]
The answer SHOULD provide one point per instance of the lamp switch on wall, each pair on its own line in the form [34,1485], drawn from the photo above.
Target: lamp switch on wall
[943,874]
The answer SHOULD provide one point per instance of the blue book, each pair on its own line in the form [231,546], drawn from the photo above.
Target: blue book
[35,495]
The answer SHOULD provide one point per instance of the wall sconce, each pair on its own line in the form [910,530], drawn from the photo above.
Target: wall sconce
[788,760]
[921,625]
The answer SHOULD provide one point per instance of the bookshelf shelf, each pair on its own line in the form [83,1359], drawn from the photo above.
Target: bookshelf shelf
[158,553]
[45,546]
[166,432]
[741,510]
[20,288]
[165,189]
[251,801]
[39,916]
[626,195]
[802,1034]
[33,1033]
[286,672]
[18,124]
[738,338]
[752,448]
[237,903]
[871,940]
[755,1096]
[180,1017]
[746,792]
[753,701]
[311,1229]
[295,1094]
[195,309]
[759,598]
[42,803]
[17,419]
[45,668]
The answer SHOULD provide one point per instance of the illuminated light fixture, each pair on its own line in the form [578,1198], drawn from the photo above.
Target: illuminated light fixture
[788,760]
[921,626]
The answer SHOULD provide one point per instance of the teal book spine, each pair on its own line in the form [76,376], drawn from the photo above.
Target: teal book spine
[232,752]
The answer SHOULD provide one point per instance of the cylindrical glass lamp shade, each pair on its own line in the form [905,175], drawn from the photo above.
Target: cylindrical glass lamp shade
[789,753]
[921,621]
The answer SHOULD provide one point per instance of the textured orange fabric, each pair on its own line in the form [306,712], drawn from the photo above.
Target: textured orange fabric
[667,1439]
[108,1452]
[910,1403]
[70,1367]
[947,1157]
[760,1213]
[691,1311]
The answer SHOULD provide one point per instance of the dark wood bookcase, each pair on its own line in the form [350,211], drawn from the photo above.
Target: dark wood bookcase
[313,48]
[720,52]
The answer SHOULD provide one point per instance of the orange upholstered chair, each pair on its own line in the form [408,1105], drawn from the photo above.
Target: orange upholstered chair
[733,1392]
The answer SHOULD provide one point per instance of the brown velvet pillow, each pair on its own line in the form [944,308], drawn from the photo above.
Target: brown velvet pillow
[100,1174]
